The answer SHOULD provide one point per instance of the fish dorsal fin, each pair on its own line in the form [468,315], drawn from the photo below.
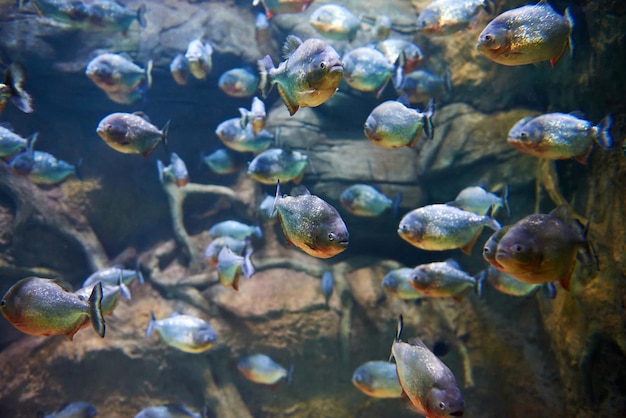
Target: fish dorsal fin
[300,191]
[142,115]
[404,99]
[291,44]
[416,342]
[561,212]
[7,125]
[63,284]
[125,55]
[577,113]
[453,263]
[174,314]
[178,408]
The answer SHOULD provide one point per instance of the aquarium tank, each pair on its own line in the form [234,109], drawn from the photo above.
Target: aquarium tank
[306,208]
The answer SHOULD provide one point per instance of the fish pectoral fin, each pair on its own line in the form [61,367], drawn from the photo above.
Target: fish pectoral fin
[467,248]
[556,59]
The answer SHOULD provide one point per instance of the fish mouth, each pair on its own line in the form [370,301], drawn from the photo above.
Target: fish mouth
[457,414]
[336,67]
[343,243]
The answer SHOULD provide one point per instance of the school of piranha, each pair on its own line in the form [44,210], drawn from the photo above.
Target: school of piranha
[537,252]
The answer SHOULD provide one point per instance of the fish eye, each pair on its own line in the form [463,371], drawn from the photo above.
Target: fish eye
[331,236]
[3,303]
[523,135]
[486,250]
[442,405]
[518,248]
[488,38]
[323,65]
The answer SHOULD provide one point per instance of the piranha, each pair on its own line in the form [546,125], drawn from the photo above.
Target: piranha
[45,168]
[478,200]
[243,139]
[367,69]
[277,164]
[110,295]
[72,410]
[175,172]
[109,276]
[184,332]
[444,279]
[131,133]
[230,266]
[509,285]
[11,89]
[117,74]
[168,411]
[327,284]
[222,161]
[179,68]
[443,227]
[212,250]
[274,7]
[445,17]
[364,200]
[235,229]
[311,224]
[377,379]
[199,58]
[256,116]
[527,35]
[335,22]
[39,306]
[261,368]
[238,82]
[10,142]
[395,48]
[397,283]
[419,86]
[309,75]
[392,124]
[427,381]
[558,136]
[540,248]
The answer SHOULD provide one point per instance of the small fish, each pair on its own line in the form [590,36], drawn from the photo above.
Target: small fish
[175,172]
[265,212]
[116,73]
[327,284]
[72,410]
[11,143]
[11,89]
[256,116]
[110,295]
[231,265]
[395,48]
[480,201]
[260,368]
[242,139]
[184,332]
[377,379]
[179,68]
[364,200]
[422,85]
[274,7]
[539,248]
[311,224]
[39,306]
[391,124]
[335,22]
[235,229]
[309,75]
[509,285]
[443,227]
[222,161]
[277,164]
[199,58]
[382,27]
[427,381]
[527,35]
[397,282]
[109,276]
[443,279]
[558,136]
[238,82]
[167,411]
[47,169]
[367,69]
[131,133]
[213,249]
[445,17]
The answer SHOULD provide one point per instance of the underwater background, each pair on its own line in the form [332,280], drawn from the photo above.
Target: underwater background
[530,356]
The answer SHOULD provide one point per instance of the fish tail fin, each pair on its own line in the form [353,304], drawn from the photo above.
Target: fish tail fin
[447,82]
[149,66]
[248,268]
[141,16]
[140,278]
[150,327]
[160,169]
[427,120]
[480,281]
[14,77]
[265,65]
[570,41]
[245,117]
[492,223]
[165,131]
[505,200]
[398,77]
[78,169]
[258,232]
[123,288]
[396,204]
[276,198]
[399,326]
[290,374]
[603,129]
[95,310]
[549,290]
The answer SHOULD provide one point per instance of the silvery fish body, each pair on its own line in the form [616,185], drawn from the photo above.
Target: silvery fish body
[242,139]
[309,75]
[10,142]
[398,283]
[442,279]
[213,249]
[47,169]
[557,136]
[421,85]
[230,266]
[391,124]
[222,161]
[184,332]
[261,368]
[377,379]
[238,82]
[234,229]
[109,276]
[167,411]
[274,7]
[527,35]
[444,17]
[115,73]
[508,284]
[364,200]
[480,201]
[276,164]
[199,58]
[443,227]
[129,133]
[74,410]
[367,69]
[327,284]
[179,68]
[335,22]
[394,48]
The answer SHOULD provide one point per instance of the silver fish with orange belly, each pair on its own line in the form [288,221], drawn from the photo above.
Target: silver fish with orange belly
[309,75]
[527,35]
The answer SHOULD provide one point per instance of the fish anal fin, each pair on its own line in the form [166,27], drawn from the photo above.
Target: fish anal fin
[565,281]
[299,178]
[291,106]
[556,59]
[236,283]
[583,158]
[467,248]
